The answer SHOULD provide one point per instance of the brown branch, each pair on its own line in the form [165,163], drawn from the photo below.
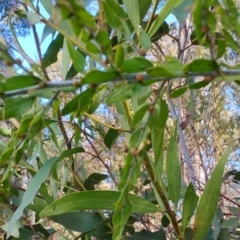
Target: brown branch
[62,129]
[37,43]
[164,199]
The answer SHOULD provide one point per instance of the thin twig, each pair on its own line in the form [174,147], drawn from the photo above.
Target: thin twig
[182,140]
[130,78]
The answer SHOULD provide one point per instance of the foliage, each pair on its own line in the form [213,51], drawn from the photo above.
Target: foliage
[123,145]
[7,15]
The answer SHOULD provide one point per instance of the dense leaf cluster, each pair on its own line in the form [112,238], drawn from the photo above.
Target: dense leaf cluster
[162,185]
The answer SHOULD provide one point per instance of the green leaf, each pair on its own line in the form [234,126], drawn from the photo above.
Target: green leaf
[136,138]
[121,214]
[111,137]
[77,58]
[138,116]
[221,47]
[120,94]
[35,184]
[171,68]
[97,77]
[38,205]
[199,25]
[33,18]
[201,66]
[113,13]
[84,222]
[25,233]
[72,72]
[206,209]
[144,95]
[173,170]
[3,146]
[158,121]
[47,30]
[103,38]
[132,8]
[93,47]
[162,15]
[117,9]
[104,200]
[165,221]
[199,85]
[119,56]
[18,82]
[5,156]
[94,178]
[224,235]
[80,102]
[162,30]
[235,210]
[178,92]
[217,223]
[9,212]
[15,107]
[50,55]
[143,7]
[133,65]
[189,204]
[193,38]
[181,11]
[2,77]
[188,233]
[65,59]
[145,40]
[230,223]
[230,40]
[47,4]
[160,115]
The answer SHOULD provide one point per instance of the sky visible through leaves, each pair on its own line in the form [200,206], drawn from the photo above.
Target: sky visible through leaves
[28,43]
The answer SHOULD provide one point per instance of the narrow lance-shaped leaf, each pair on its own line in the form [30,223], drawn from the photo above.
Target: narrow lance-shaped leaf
[121,214]
[201,66]
[48,6]
[110,137]
[113,13]
[143,7]
[139,115]
[15,107]
[209,200]
[35,184]
[178,92]
[65,59]
[173,170]
[104,200]
[132,8]
[123,207]
[97,77]
[83,222]
[158,121]
[51,54]
[189,204]
[120,94]
[134,65]
[182,11]
[162,15]
[80,102]
[18,82]
[77,57]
